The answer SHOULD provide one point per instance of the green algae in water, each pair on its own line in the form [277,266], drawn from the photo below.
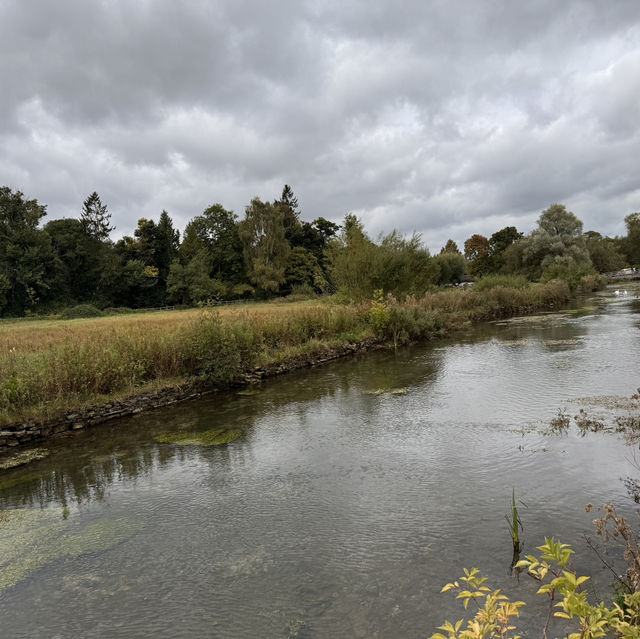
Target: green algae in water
[248,393]
[384,391]
[32,539]
[215,437]
[579,312]
[22,458]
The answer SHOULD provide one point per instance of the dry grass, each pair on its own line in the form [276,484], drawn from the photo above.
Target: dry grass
[49,366]
[31,336]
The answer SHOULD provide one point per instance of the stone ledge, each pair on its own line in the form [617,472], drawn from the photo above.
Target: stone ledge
[23,433]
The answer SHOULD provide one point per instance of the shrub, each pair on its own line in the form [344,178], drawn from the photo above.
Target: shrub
[495,614]
[379,315]
[80,311]
[508,281]
[120,310]
[571,273]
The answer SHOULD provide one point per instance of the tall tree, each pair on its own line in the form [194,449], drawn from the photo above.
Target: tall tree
[293,227]
[95,218]
[25,251]
[450,247]
[604,252]
[166,245]
[77,267]
[266,248]
[557,241]
[215,231]
[631,243]
[477,251]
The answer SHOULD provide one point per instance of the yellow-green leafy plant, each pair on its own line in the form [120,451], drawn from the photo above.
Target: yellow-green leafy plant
[495,613]
[380,315]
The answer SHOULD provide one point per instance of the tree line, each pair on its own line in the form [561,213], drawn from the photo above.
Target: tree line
[270,252]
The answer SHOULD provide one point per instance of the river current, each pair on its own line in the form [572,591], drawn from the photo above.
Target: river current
[356,491]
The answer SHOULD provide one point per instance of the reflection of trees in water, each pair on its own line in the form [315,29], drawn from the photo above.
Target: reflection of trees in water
[83,466]
[81,482]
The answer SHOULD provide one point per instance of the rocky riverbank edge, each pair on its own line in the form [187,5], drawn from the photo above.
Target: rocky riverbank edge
[19,435]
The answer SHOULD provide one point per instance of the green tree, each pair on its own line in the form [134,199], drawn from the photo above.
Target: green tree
[500,242]
[557,241]
[303,270]
[25,251]
[216,232]
[450,247]
[95,218]
[477,251]
[166,246]
[631,243]
[352,261]
[604,252]
[192,283]
[266,248]
[77,267]
[405,265]
[451,267]
[293,227]
[155,245]
[358,266]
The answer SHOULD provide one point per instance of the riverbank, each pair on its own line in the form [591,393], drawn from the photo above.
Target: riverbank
[79,373]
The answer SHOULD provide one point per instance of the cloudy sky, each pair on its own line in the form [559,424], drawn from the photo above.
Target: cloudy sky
[446,117]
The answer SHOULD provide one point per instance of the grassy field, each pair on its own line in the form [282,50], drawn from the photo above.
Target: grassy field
[48,366]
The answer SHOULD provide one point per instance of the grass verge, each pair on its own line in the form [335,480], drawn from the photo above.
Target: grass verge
[54,366]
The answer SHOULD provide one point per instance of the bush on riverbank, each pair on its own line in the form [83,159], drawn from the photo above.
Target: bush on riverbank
[96,358]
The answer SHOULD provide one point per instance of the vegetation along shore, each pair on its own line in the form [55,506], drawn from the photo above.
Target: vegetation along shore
[67,365]
[314,290]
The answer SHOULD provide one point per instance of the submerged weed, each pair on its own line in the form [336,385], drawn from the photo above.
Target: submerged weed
[22,458]
[215,437]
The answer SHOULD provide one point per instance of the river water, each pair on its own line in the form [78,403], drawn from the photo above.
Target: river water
[346,504]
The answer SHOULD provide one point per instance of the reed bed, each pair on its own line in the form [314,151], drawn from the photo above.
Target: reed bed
[60,365]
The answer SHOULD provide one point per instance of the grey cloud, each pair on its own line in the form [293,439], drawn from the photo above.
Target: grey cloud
[447,118]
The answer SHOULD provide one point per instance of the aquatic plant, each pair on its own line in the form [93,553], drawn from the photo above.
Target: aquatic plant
[514,527]
[32,539]
[215,437]
[23,457]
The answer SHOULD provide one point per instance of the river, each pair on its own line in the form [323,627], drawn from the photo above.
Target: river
[356,491]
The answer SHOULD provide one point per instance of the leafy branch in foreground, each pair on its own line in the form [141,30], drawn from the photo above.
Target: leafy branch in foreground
[496,612]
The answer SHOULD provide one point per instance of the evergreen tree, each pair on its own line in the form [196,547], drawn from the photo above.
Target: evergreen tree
[95,218]
[450,247]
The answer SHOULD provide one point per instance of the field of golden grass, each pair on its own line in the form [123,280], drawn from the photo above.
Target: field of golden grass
[32,335]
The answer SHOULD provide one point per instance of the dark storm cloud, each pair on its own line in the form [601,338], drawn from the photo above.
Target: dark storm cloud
[448,118]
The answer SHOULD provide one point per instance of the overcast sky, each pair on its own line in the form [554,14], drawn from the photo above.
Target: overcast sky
[447,117]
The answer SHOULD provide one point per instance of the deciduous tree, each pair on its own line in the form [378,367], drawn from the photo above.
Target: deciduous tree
[266,248]
[25,250]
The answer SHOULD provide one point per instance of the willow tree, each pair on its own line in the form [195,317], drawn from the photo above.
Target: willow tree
[557,242]
[266,248]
